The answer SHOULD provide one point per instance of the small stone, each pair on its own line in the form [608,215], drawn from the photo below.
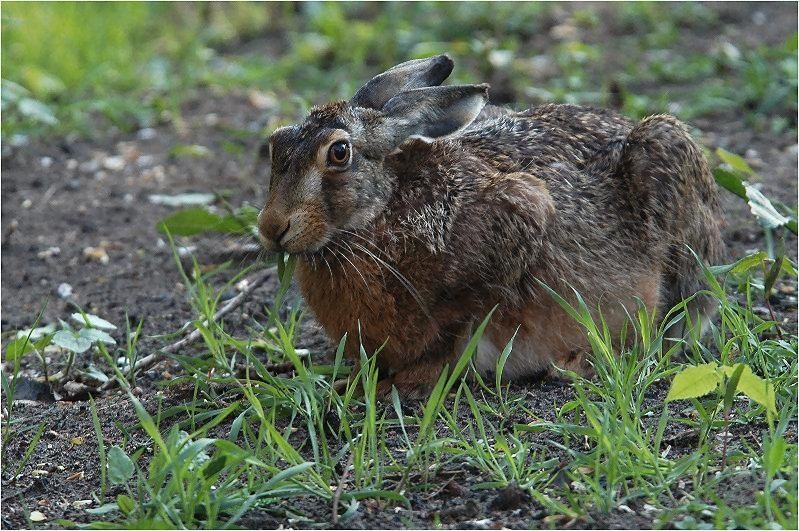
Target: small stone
[37,516]
[145,161]
[27,203]
[148,133]
[90,166]
[64,290]
[129,151]
[262,100]
[46,162]
[787,288]
[49,252]
[500,58]
[100,175]
[72,164]
[211,119]
[80,504]
[114,163]
[96,254]
[72,185]
[564,32]
[542,66]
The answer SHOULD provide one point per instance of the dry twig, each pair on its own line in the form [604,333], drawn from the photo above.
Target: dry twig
[340,488]
[146,362]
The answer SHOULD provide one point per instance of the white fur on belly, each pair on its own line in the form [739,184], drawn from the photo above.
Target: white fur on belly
[524,360]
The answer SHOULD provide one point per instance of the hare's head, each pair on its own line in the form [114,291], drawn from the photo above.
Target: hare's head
[328,174]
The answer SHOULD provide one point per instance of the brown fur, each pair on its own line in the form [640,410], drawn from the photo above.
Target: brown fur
[414,245]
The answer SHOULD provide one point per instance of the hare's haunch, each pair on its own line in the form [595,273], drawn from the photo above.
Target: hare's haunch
[415,208]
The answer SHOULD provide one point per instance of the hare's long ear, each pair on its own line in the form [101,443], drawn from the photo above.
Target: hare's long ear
[432,112]
[418,73]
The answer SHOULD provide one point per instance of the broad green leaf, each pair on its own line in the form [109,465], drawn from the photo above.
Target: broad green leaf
[736,162]
[215,466]
[193,221]
[37,333]
[104,509]
[22,345]
[94,335]
[753,386]
[741,266]
[36,110]
[120,467]
[189,150]
[71,341]
[763,210]
[694,382]
[730,182]
[774,456]
[93,321]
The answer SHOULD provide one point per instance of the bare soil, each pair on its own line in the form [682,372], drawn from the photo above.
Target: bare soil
[73,194]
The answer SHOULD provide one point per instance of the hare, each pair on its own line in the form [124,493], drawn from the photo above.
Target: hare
[415,208]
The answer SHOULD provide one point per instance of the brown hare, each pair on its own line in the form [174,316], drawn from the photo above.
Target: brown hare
[415,208]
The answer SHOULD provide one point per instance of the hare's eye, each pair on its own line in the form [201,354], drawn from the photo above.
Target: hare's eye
[339,153]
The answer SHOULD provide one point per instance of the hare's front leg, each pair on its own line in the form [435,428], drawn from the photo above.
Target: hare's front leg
[414,382]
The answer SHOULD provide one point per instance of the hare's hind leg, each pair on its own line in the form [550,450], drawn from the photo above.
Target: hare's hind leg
[668,175]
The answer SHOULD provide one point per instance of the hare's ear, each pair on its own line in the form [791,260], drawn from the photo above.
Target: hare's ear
[418,73]
[432,112]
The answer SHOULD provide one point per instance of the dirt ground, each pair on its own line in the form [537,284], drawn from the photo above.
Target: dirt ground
[62,196]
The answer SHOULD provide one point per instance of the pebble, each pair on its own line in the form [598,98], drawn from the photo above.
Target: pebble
[27,203]
[787,288]
[145,161]
[72,164]
[46,162]
[72,185]
[262,100]
[114,163]
[90,166]
[49,252]
[64,290]
[500,58]
[542,66]
[148,133]
[563,32]
[96,254]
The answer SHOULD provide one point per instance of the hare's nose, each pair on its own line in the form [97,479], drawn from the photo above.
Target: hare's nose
[273,227]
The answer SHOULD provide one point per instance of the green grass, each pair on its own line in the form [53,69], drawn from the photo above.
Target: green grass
[133,64]
[255,439]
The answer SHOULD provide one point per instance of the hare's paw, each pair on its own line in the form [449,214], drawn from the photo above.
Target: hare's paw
[406,390]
